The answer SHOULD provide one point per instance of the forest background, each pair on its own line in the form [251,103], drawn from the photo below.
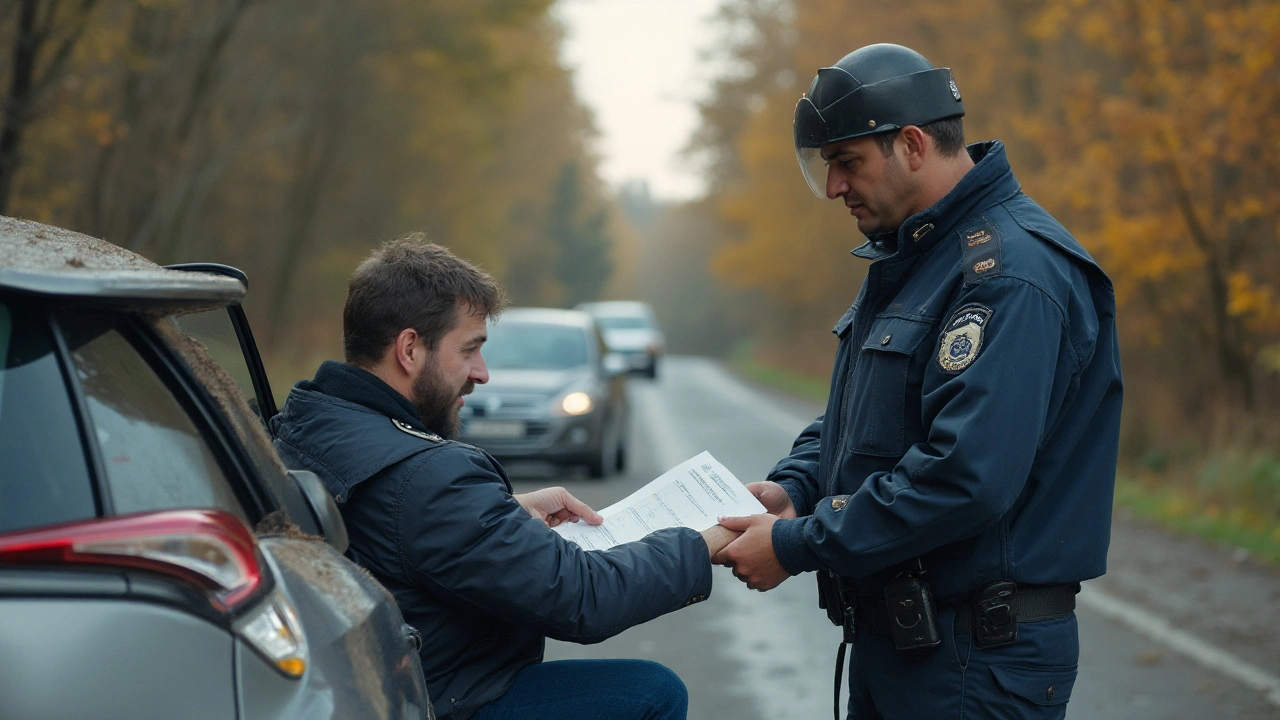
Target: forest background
[288,137]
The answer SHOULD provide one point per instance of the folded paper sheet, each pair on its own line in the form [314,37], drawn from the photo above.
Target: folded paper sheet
[693,494]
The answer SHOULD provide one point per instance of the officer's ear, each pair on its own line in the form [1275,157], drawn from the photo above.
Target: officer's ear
[916,145]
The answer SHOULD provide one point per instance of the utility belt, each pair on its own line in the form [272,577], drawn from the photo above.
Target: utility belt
[908,614]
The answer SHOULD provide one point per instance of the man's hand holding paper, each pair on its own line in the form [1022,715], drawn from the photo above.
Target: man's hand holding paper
[693,494]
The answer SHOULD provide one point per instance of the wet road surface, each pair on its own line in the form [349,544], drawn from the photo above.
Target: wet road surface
[1177,629]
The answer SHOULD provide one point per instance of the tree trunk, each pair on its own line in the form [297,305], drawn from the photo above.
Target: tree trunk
[18,102]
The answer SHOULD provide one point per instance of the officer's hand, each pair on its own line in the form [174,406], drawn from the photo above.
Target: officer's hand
[717,538]
[751,556]
[774,499]
[554,505]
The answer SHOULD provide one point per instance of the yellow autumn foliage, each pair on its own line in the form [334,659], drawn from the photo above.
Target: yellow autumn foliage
[1151,129]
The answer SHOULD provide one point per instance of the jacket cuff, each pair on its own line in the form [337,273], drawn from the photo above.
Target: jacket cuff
[789,546]
[793,491]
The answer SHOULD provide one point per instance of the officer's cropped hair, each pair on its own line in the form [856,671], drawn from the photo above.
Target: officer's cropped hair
[411,283]
[948,136]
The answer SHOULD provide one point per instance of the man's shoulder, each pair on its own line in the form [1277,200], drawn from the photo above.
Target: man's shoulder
[1018,238]
[344,442]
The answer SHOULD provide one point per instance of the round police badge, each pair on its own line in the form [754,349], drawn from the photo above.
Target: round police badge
[962,338]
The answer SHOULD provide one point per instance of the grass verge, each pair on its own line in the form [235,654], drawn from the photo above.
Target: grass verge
[806,387]
[1219,511]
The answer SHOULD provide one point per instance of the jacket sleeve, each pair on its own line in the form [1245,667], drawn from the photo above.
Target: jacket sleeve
[797,473]
[467,540]
[984,424]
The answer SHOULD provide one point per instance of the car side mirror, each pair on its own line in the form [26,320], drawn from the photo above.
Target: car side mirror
[614,364]
[323,508]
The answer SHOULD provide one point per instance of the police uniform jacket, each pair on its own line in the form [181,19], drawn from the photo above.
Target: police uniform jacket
[974,412]
[435,522]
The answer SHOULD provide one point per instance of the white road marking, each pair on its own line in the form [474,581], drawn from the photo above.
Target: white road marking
[1132,616]
[1162,631]
[670,446]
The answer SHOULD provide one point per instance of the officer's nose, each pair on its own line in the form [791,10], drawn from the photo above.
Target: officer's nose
[837,185]
[479,370]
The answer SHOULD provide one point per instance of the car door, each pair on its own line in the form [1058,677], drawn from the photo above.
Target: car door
[364,657]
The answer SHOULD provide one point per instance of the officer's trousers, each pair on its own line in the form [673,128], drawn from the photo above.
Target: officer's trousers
[1030,679]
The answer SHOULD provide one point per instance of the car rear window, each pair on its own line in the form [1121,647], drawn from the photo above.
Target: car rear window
[44,477]
[622,322]
[535,346]
[155,456]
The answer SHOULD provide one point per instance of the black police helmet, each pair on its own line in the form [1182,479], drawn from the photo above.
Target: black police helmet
[874,89]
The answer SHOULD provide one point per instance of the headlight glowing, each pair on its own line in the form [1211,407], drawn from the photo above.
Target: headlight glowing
[576,403]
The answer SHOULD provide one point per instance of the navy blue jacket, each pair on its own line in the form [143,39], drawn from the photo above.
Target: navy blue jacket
[974,412]
[435,522]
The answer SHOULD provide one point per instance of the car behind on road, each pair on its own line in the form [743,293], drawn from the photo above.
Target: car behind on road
[555,393]
[156,559]
[631,330]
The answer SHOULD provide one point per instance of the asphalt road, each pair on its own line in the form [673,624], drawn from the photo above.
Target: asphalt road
[1177,629]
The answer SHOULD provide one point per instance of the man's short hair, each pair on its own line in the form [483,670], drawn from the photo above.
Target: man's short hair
[411,283]
[948,136]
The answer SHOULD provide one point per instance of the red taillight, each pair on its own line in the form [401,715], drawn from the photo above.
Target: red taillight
[209,548]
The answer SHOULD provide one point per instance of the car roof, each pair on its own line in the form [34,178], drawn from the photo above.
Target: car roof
[48,260]
[618,307]
[545,316]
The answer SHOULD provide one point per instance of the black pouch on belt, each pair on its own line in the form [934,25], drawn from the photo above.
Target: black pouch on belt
[829,596]
[913,619]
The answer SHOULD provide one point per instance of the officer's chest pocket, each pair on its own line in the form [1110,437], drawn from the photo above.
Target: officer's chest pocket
[883,381]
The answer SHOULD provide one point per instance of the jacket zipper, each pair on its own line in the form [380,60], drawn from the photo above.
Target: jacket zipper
[857,337]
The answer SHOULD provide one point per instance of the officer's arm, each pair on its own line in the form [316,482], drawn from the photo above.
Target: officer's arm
[797,473]
[984,423]
[470,543]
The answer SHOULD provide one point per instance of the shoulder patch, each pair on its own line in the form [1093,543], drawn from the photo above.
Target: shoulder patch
[405,427]
[979,249]
[962,338]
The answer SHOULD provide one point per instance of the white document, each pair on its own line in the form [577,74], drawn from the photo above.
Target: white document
[693,494]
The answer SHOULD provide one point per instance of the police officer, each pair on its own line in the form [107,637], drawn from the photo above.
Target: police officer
[958,487]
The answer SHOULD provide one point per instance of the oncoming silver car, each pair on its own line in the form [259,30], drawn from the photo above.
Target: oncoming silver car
[631,330]
[555,393]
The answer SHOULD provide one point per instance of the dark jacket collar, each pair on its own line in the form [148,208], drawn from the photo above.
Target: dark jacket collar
[356,385]
[989,181]
[347,425]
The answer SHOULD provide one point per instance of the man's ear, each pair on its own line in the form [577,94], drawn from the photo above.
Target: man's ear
[915,145]
[409,355]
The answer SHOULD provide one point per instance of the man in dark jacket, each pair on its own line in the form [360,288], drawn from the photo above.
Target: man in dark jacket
[959,486]
[473,567]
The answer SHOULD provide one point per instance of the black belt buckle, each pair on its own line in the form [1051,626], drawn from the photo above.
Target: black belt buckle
[995,616]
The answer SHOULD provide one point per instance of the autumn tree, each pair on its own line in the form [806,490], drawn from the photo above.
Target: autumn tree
[287,137]
[41,35]
[1167,148]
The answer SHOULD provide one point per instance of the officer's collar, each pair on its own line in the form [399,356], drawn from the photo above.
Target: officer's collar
[989,180]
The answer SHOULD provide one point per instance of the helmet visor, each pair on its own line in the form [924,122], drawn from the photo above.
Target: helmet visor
[814,168]
[809,132]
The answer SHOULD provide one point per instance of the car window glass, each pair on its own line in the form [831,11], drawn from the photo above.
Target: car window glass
[44,476]
[623,322]
[535,347]
[214,330]
[154,455]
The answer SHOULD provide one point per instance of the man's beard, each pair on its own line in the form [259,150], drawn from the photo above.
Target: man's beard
[437,403]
